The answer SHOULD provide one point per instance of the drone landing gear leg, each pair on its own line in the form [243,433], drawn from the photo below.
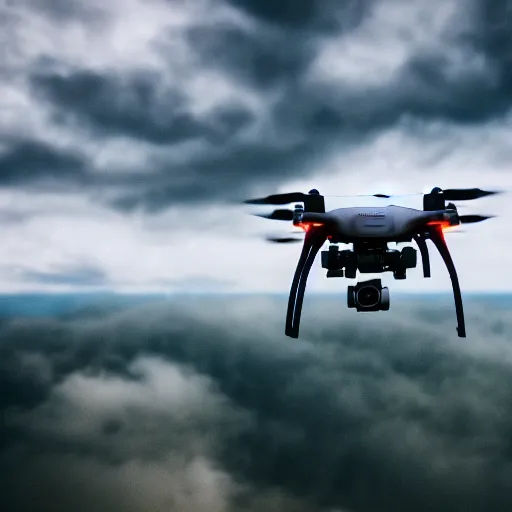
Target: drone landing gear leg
[425,259]
[312,245]
[437,236]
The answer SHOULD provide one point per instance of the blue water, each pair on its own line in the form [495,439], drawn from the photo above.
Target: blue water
[44,305]
[49,305]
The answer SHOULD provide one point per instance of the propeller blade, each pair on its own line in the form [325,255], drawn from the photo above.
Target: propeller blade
[290,197]
[277,215]
[283,240]
[451,194]
[466,194]
[471,219]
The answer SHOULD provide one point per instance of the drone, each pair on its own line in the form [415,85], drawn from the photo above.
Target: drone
[369,230]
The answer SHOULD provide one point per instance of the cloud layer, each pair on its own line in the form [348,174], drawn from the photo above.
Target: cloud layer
[203,404]
[127,128]
[222,97]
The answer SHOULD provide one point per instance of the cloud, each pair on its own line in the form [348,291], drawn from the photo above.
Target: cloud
[81,275]
[67,11]
[235,141]
[131,115]
[493,38]
[303,14]
[197,403]
[134,106]
[255,93]
[31,160]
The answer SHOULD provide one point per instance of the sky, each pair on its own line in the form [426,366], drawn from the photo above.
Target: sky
[197,405]
[131,131]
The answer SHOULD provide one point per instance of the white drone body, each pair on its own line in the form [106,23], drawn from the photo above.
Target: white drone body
[369,230]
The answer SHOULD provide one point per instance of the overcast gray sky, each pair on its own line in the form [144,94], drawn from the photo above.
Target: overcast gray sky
[130,128]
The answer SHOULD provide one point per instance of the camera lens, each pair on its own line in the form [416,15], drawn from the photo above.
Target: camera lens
[368,296]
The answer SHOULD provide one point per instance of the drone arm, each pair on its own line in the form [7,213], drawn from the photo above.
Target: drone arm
[321,218]
[312,244]
[437,237]
[425,259]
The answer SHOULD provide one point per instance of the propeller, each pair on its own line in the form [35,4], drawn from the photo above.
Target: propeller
[280,214]
[471,219]
[449,194]
[294,197]
[291,197]
[283,239]
[466,194]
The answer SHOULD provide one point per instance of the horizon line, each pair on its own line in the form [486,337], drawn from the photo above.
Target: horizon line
[228,293]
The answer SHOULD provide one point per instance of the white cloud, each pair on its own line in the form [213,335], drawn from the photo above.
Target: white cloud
[80,405]
[141,253]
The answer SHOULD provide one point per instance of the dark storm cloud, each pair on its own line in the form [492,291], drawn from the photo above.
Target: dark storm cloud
[431,91]
[493,35]
[143,106]
[277,53]
[308,119]
[430,88]
[314,15]
[387,415]
[425,87]
[27,161]
[261,60]
[137,106]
